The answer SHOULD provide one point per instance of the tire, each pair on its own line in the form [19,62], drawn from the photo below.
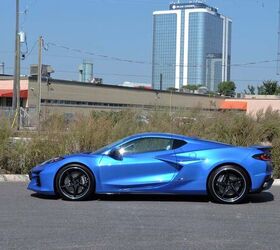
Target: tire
[75,182]
[228,184]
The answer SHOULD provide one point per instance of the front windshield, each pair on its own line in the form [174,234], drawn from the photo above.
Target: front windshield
[112,145]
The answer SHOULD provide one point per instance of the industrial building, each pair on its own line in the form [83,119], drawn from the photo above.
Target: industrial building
[70,98]
[74,97]
[191,45]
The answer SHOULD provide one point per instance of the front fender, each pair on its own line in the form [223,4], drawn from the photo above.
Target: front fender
[47,173]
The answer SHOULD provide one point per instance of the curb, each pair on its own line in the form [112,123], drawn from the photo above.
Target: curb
[25,178]
[13,178]
[276,182]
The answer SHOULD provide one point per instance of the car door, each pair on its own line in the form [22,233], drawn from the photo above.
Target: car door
[143,164]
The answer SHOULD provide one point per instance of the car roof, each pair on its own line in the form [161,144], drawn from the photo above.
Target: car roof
[157,134]
[173,136]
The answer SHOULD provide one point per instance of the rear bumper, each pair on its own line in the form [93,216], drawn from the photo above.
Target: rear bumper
[267,183]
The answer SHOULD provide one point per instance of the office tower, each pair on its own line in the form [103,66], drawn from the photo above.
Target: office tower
[191,46]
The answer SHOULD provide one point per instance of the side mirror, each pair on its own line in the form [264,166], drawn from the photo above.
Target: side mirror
[115,154]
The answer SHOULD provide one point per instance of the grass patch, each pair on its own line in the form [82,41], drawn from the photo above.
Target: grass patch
[88,133]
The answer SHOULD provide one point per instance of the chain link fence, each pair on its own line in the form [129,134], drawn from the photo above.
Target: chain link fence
[28,116]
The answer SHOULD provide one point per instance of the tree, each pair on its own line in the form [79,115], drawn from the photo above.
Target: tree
[261,90]
[191,87]
[172,89]
[252,90]
[269,87]
[227,88]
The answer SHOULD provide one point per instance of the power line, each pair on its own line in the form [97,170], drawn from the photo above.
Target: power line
[29,52]
[142,76]
[149,63]
[278,49]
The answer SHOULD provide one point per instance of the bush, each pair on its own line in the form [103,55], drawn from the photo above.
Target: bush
[88,133]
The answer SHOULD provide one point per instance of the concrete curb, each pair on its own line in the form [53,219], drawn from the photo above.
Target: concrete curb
[25,178]
[276,182]
[13,178]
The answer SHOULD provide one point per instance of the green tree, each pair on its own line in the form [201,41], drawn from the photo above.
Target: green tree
[191,87]
[269,87]
[261,90]
[251,89]
[172,89]
[227,88]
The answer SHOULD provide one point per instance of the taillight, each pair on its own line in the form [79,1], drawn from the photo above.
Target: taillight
[263,157]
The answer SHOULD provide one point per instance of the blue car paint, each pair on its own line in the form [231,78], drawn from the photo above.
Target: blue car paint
[147,172]
[184,170]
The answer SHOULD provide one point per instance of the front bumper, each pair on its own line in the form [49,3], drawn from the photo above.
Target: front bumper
[41,182]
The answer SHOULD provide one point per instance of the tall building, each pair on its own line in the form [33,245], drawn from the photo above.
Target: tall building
[191,45]
[86,71]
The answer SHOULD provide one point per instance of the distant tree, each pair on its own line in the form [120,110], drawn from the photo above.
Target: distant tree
[227,88]
[191,87]
[251,89]
[172,89]
[278,90]
[261,90]
[269,87]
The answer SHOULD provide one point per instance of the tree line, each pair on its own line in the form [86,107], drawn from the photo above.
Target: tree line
[227,88]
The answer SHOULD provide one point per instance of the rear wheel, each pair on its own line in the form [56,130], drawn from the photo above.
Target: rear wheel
[228,184]
[74,182]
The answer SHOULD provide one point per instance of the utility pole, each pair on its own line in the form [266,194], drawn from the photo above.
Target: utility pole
[16,86]
[278,51]
[39,78]
[18,83]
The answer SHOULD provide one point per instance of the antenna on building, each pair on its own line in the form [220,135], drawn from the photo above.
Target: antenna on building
[196,1]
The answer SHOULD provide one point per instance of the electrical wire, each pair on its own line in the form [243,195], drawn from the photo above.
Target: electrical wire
[29,53]
[142,76]
[150,63]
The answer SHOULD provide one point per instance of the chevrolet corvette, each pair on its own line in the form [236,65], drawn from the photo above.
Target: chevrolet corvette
[158,163]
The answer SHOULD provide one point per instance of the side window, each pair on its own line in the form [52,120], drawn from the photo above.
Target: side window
[178,144]
[146,145]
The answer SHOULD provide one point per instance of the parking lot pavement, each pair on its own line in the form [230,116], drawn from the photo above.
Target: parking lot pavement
[28,221]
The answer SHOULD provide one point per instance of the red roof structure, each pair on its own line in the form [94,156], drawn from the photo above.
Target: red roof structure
[9,93]
[234,105]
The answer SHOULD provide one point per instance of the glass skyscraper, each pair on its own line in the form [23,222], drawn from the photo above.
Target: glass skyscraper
[191,45]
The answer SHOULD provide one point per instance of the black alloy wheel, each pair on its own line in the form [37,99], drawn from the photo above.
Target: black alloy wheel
[228,184]
[75,182]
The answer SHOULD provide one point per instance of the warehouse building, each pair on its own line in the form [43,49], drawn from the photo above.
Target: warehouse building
[73,97]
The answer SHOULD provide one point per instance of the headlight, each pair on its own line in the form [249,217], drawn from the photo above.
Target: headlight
[56,159]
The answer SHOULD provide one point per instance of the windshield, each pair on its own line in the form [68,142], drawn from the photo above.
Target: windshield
[112,145]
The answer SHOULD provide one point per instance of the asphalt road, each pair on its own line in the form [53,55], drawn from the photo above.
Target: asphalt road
[137,222]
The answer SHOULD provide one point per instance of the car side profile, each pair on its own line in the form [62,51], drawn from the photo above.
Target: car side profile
[158,163]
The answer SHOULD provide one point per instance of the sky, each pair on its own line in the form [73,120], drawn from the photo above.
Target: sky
[103,31]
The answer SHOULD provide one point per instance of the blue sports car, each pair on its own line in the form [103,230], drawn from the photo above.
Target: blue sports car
[158,163]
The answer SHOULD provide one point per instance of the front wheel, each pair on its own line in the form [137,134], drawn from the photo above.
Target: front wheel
[74,182]
[228,184]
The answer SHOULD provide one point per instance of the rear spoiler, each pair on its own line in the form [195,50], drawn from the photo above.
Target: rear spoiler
[262,148]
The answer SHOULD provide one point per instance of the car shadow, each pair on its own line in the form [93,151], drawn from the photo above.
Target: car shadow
[45,197]
[251,198]
[259,198]
[152,198]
